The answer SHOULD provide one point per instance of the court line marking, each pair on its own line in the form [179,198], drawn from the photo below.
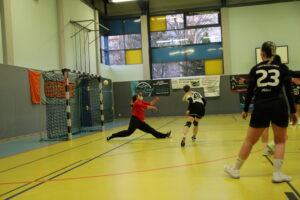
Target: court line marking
[48,156]
[133,172]
[39,178]
[98,156]
[38,159]
[58,142]
[291,196]
[289,184]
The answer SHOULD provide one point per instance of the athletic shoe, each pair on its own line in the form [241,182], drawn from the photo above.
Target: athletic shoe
[271,148]
[279,177]
[169,134]
[182,144]
[232,172]
[108,138]
[194,138]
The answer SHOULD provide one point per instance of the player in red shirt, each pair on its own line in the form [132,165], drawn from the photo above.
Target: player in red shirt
[137,119]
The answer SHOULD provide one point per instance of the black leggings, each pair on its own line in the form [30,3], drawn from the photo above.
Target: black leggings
[134,124]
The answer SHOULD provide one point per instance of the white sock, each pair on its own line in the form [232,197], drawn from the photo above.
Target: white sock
[277,165]
[239,163]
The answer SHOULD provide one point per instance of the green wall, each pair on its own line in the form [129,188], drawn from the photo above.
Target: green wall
[35,37]
[76,10]
[250,26]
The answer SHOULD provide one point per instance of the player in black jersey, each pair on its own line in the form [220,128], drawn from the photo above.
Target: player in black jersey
[296,91]
[196,111]
[266,82]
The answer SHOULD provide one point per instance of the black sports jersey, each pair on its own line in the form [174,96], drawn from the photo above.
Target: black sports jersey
[266,82]
[195,98]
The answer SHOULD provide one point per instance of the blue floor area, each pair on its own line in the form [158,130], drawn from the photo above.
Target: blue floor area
[20,145]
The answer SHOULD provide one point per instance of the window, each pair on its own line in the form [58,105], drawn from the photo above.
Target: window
[116,42]
[167,38]
[178,69]
[202,19]
[133,41]
[116,58]
[123,43]
[186,45]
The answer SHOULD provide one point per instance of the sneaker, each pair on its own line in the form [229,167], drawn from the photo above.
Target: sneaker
[194,138]
[232,172]
[182,144]
[271,148]
[169,134]
[279,177]
[108,138]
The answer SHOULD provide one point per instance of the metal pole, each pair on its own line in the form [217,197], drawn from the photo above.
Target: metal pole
[84,50]
[88,37]
[76,51]
[68,107]
[82,27]
[80,53]
[101,104]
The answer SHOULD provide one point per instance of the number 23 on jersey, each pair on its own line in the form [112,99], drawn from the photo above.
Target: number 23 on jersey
[268,77]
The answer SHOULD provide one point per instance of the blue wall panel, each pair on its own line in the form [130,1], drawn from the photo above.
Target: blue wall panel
[182,53]
[170,54]
[116,27]
[132,26]
[203,52]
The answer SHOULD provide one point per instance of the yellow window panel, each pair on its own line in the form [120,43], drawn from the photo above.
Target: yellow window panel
[213,67]
[158,23]
[133,56]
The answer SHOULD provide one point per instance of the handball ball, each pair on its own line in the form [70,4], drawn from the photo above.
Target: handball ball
[105,82]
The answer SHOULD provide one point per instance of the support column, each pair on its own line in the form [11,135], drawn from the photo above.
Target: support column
[226,41]
[145,48]
[97,42]
[61,34]
[7,36]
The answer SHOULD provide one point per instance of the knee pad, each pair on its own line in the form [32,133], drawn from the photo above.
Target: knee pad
[195,123]
[188,124]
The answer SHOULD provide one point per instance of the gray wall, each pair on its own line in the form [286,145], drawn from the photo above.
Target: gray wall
[172,105]
[18,116]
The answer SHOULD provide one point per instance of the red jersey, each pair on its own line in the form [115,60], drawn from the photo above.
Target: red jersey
[139,109]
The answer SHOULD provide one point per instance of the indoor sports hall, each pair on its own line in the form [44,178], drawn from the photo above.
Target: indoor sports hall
[95,105]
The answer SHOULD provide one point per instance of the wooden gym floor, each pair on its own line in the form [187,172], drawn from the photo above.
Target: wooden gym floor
[141,167]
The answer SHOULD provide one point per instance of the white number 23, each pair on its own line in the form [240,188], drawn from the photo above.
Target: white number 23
[274,77]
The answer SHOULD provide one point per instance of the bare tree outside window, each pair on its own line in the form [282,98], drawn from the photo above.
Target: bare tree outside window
[203,35]
[133,41]
[177,69]
[167,38]
[117,57]
[175,22]
[116,42]
[202,19]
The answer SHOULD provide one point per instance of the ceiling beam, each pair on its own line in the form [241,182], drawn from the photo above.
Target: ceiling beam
[143,5]
[223,3]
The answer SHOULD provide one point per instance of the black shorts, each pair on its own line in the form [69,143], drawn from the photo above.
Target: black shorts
[197,110]
[275,111]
